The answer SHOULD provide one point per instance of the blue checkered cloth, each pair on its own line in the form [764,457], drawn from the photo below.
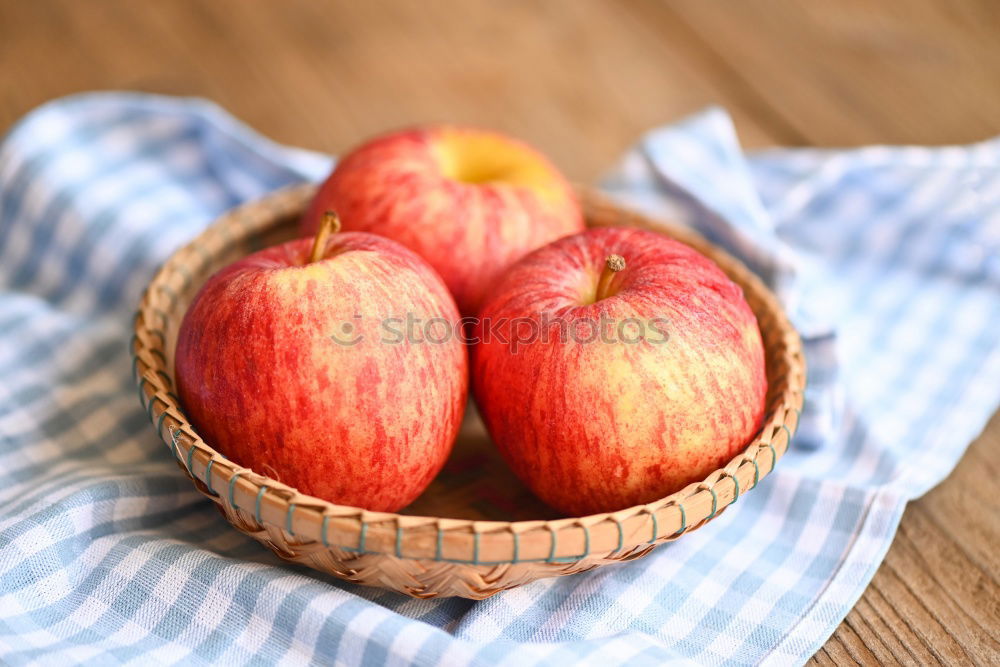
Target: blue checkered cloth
[888,260]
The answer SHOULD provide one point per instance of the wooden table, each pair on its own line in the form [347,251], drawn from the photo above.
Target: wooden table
[582,80]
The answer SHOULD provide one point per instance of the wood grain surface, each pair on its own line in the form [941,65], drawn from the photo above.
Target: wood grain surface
[582,80]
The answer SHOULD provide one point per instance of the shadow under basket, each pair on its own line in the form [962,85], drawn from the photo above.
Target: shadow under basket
[476,530]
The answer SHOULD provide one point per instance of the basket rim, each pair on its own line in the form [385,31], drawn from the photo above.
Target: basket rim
[255,502]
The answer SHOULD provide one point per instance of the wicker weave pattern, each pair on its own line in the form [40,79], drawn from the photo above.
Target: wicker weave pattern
[428,556]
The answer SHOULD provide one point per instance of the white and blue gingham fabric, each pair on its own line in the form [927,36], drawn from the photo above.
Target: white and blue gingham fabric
[888,259]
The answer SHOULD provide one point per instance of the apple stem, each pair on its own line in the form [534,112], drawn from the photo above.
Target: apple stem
[612,265]
[330,224]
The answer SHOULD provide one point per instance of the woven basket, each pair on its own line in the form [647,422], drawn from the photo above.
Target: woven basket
[476,530]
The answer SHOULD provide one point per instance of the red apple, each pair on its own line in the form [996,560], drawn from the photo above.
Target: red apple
[288,362]
[615,367]
[470,202]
